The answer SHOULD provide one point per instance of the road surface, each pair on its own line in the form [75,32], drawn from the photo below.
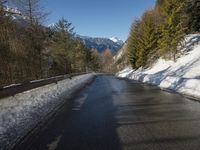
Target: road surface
[114,114]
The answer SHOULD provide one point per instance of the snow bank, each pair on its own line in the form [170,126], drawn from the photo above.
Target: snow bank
[20,113]
[125,73]
[182,76]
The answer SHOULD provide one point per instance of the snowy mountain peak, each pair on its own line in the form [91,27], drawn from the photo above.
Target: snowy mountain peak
[116,40]
[101,44]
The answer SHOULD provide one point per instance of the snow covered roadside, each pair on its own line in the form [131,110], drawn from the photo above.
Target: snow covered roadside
[20,113]
[182,76]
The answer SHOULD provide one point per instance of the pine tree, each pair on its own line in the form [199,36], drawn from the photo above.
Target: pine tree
[87,58]
[62,46]
[149,38]
[133,42]
[193,14]
[142,42]
[172,29]
[82,57]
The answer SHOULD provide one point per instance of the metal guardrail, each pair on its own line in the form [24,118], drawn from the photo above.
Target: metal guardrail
[21,87]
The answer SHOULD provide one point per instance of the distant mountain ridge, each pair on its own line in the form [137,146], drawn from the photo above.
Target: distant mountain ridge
[114,44]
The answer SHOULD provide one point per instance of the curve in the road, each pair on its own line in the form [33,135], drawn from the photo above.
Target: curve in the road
[114,114]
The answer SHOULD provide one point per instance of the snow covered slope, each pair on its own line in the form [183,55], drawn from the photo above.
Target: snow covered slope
[121,52]
[182,76]
[120,59]
[20,113]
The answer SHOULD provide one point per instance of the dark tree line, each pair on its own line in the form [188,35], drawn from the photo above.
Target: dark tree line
[29,50]
[193,11]
[159,32]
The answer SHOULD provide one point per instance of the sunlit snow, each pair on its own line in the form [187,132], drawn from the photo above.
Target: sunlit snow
[181,76]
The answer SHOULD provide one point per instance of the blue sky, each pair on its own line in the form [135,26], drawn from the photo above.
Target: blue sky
[98,18]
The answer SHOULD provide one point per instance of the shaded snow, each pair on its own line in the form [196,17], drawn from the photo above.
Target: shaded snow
[18,114]
[118,56]
[125,73]
[122,52]
[181,76]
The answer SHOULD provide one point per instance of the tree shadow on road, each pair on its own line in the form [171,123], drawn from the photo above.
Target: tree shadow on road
[85,122]
[91,125]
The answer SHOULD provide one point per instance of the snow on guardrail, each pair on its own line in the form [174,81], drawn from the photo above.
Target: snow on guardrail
[21,112]
[13,89]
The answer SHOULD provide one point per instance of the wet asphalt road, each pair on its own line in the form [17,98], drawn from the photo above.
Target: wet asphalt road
[113,114]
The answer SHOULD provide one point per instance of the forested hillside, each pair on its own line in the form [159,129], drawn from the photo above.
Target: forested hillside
[163,47]
[29,50]
[161,30]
